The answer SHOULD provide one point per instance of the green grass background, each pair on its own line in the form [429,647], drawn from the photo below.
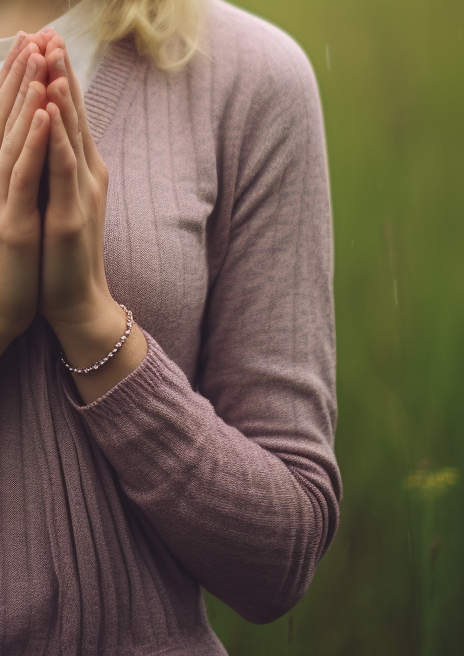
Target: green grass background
[391,76]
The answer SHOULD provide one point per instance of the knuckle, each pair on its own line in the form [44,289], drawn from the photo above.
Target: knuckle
[19,236]
[30,147]
[67,166]
[7,148]
[20,180]
[104,175]
[8,239]
[30,40]
[67,228]
[17,68]
[20,63]
[96,192]
[24,83]
[33,93]
[9,125]
[101,172]
[56,41]
[78,145]
[70,231]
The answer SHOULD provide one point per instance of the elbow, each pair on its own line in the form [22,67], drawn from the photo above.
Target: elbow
[269,613]
[276,603]
[287,583]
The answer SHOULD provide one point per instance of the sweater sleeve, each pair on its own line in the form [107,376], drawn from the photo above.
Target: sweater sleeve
[239,478]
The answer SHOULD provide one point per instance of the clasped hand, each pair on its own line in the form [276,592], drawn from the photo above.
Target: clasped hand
[51,258]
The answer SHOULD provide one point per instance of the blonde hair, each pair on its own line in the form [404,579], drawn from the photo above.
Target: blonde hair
[169,31]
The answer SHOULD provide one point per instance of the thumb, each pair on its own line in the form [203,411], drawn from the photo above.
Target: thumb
[62,165]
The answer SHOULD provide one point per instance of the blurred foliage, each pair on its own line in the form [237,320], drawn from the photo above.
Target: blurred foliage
[391,78]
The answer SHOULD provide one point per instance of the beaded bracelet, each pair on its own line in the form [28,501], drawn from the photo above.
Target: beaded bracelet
[98,364]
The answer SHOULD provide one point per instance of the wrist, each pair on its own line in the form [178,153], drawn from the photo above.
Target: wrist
[83,344]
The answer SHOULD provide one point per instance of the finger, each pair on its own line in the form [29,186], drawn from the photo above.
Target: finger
[13,144]
[62,164]
[43,37]
[36,70]
[56,41]
[10,58]
[59,65]
[25,177]
[10,88]
[58,92]
[23,39]
[40,38]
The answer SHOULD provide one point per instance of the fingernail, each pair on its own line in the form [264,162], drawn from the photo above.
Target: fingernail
[47,29]
[31,67]
[19,39]
[30,93]
[37,121]
[33,47]
[60,63]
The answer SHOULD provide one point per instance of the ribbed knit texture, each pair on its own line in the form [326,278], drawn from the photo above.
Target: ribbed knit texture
[212,463]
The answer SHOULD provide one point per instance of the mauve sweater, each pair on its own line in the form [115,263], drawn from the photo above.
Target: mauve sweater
[212,463]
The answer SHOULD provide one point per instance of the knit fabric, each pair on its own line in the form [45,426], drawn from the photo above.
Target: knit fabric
[210,465]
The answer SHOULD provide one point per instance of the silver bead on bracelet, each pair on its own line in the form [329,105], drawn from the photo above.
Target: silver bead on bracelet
[98,364]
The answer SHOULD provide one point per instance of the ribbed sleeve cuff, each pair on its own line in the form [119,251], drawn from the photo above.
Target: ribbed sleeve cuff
[155,367]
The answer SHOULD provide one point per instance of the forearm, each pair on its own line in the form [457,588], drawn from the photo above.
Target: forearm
[248,523]
[82,346]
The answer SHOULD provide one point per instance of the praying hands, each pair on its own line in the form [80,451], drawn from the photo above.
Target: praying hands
[51,260]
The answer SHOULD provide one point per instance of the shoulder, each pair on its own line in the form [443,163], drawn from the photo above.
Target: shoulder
[242,34]
[251,56]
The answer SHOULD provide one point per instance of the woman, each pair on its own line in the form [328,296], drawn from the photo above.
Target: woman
[182,175]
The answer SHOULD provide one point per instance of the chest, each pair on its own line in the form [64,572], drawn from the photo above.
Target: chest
[162,190]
